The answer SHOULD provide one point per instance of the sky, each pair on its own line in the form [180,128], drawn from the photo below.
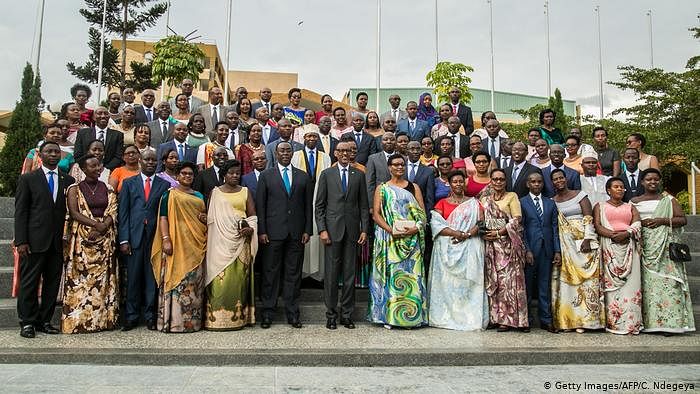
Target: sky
[335,47]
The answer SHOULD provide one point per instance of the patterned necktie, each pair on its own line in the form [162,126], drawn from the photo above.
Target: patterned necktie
[287,183]
[148,114]
[396,114]
[52,185]
[358,138]
[101,136]
[181,152]
[312,164]
[413,125]
[147,188]
[633,183]
[412,173]
[165,129]
[344,181]
[214,116]
[538,206]
[454,109]
[493,147]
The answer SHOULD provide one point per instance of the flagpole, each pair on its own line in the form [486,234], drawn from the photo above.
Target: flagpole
[102,50]
[600,60]
[379,49]
[492,60]
[41,33]
[651,41]
[437,41]
[229,6]
[167,25]
[549,59]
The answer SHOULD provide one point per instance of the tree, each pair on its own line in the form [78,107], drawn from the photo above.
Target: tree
[562,121]
[125,18]
[176,59]
[532,117]
[447,75]
[23,133]
[667,109]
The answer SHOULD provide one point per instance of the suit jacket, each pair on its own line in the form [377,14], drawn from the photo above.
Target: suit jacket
[464,112]
[425,179]
[138,217]
[258,104]
[205,182]
[195,102]
[114,145]
[205,110]
[629,192]
[333,142]
[38,219]
[377,172]
[573,181]
[270,150]
[281,215]
[251,182]
[367,147]
[519,186]
[140,114]
[342,214]
[243,138]
[485,147]
[157,136]
[190,153]
[274,135]
[422,129]
[402,115]
[541,233]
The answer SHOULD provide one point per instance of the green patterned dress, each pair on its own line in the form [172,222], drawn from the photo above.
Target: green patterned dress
[397,283]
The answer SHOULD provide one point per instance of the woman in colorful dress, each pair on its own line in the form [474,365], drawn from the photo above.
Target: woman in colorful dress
[326,109]
[246,117]
[294,112]
[142,139]
[666,295]
[196,131]
[477,182]
[638,142]
[182,114]
[573,158]
[90,301]
[440,128]
[618,225]
[532,136]
[65,144]
[52,133]
[548,132]
[577,301]
[72,113]
[505,256]
[456,280]
[232,246]
[428,157]
[442,184]
[178,255]
[541,157]
[426,111]
[397,284]
[171,163]
[244,152]
[309,126]
[205,152]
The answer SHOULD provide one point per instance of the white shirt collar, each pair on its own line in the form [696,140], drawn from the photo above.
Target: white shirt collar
[46,170]
[144,177]
[635,173]
[518,166]
[532,196]
[311,150]
[257,173]
[281,167]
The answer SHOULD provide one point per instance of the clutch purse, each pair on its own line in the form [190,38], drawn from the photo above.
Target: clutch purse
[495,223]
[242,224]
[679,252]
[401,225]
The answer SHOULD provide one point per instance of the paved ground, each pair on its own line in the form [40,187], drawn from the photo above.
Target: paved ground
[434,380]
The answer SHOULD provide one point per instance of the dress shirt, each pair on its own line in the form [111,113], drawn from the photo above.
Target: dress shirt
[504,161]
[266,133]
[281,168]
[540,196]
[149,115]
[517,168]
[257,174]
[55,180]
[412,167]
[496,146]
[636,177]
[104,134]
[326,143]
[455,139]
[395,114]
[219,115]
[233,134]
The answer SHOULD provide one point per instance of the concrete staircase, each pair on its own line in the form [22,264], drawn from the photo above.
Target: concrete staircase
[368,345]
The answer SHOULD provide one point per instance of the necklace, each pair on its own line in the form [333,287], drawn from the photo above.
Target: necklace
[457,202]
[260,146]
[92,190]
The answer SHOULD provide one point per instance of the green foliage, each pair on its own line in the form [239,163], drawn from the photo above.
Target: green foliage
[24,132]
[562,121]
[683,198]
[447,75]
[176,59]
[532,117]
[111,75]
[136,21]
[667,107]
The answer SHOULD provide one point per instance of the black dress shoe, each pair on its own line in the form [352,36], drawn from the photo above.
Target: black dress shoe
[294,323]
[151,325]
[331,325]
[347,323]
[266,323]
[27,331]
[550,328]
[525,329]
[47,328]
[129,325]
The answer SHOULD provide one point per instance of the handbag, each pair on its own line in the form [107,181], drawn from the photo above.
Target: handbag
[677,252]
[401,225]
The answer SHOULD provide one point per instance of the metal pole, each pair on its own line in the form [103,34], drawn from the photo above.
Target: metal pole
[379,48]
[651,41]
[492,61]
[437,45]
[228,48]
[549,59]
[102,50]
[41,32]
[167,24]
[600,60]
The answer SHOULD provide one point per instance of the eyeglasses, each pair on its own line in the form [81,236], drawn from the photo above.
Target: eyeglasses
[481,161]
[398,165]
[572,145]
[444,164]
[496,180]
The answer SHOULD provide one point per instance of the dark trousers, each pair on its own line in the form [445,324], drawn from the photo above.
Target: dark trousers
[44,268]
[340,257]
[140,284]
[282,256]
[538,281]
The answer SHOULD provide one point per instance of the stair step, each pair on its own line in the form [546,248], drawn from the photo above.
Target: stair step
[6,257]
[693,268]
[6,281]
[7,207]
[7,228]
[693,223]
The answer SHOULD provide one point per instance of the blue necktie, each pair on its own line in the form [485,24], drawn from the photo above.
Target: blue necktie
[52,186]
[538,206]
[344,181]
[181,152]
[287,183]
[358,138]
[412,173]
[312,164]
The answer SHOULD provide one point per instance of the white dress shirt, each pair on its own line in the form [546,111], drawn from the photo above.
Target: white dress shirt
[233,136]
[281,168]
[55,180]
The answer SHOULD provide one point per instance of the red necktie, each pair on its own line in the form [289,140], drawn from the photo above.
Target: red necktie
[454,109]
[147,188]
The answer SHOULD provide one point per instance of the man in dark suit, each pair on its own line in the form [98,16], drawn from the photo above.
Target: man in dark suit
[208,179]
[630,176]
[394,112]
[285,129]
[492,144]
[235,136]
[411,125]
[541,239]
[519,170]
[377,170]
[342,218]
[421,175]
[112,139]
[283,203]
[556,156]
[40,210]
[265,97]
[146,112]
[214,110]
[327,142]
[364,141]
[194,102]
[270,134]
[162,127]
[506,155]
[250,180]
[179,145]
[138,217]
[459,140]
[463,112]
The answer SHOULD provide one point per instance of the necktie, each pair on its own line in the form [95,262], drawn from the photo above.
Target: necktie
[324,142]
[189,104]
[181,152]
[214,116]
[412,173]
[358,138]
[454,109]
[148,114]
[287,183]
[101,136]
[267,105]
[165,129]
[395,114]
[492,151]
[221,177]
[504,164]
[633,183]
[312,164]
[515,174]
[413,125]
[147,188]
[538,206]
[52,185]
[344,181]
[266,134]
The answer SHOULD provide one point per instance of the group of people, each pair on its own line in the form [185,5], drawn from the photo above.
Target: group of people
[160,213]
